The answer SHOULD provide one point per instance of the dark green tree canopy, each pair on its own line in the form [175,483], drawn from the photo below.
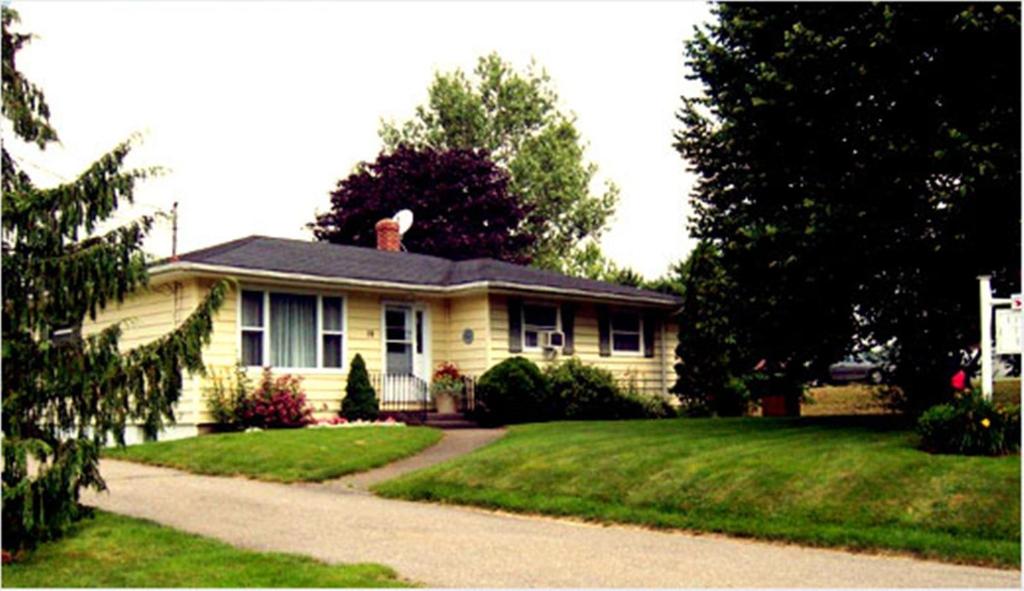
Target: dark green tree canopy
[859,167]
[709,369]
[515,117]
[65,394]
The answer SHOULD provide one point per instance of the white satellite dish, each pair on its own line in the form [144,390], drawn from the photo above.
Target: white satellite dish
[404,219]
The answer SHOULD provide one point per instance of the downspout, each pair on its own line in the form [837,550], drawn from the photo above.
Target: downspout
[664,361]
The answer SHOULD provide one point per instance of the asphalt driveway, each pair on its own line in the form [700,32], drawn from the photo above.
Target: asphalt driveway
[447,546]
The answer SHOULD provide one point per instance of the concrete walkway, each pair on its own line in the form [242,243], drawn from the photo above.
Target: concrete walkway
[446,546]
[456,442]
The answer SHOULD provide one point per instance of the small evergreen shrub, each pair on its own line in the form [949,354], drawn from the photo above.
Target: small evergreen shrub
[970,425]
[276,403]
[360,401]
[513,391]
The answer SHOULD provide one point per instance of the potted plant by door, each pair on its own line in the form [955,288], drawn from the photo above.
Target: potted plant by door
[446,388]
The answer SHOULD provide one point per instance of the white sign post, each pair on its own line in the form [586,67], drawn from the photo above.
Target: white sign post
[1008,332]
[986,335]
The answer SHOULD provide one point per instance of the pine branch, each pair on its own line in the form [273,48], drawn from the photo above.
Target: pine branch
[154,370]
[23,102]
[71,208]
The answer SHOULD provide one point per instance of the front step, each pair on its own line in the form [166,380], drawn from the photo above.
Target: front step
[449,421]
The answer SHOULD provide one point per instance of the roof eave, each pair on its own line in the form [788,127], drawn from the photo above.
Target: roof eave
[243,272]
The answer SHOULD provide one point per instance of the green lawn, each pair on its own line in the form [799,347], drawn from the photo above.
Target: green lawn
[854,482]
[285,455]
[114,551]
[1006,391]
[846,399]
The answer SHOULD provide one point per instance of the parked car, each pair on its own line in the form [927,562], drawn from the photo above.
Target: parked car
[860,367]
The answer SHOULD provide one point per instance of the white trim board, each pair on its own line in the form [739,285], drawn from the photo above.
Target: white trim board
[432,289]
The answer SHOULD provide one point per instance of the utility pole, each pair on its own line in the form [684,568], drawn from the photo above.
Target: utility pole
[174,231]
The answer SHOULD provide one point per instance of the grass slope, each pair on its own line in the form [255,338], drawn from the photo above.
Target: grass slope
[854,482]
[114,551]
[285,455]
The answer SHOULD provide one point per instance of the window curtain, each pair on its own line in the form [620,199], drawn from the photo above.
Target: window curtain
[292,330]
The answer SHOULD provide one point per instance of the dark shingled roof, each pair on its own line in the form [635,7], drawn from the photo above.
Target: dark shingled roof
[323,259]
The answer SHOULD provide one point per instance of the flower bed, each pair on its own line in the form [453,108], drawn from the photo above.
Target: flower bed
[336,422]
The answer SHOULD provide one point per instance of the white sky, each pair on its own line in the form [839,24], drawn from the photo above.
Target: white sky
[258,108]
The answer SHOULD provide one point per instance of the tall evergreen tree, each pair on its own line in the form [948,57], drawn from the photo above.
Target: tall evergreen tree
[859,166]
[65,394]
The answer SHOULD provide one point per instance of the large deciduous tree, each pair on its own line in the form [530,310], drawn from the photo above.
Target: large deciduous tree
[859,168]
[64,394]
[460,199]
[515,117]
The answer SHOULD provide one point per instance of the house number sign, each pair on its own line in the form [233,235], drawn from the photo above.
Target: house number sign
[467,336]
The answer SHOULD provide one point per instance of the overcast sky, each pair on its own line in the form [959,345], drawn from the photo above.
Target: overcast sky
[257,108]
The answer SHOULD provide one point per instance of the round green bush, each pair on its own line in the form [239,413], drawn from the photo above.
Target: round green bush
[513,391]
[970,425]
[585,392]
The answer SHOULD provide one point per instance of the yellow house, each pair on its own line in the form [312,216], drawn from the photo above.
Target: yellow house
[306,308]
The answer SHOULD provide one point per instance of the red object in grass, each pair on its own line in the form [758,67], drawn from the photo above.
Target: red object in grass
[780,406]
[959,380]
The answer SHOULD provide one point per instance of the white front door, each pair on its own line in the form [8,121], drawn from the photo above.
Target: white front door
[405,351]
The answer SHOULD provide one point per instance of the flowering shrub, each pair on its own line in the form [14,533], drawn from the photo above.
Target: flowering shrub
[276,402]
[342,422]
[970,425]
[447,381]
[447,370]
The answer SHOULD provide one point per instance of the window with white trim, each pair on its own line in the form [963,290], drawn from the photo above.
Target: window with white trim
[538,318]
[626,332]
[252,327]
[290,330]
[331,331]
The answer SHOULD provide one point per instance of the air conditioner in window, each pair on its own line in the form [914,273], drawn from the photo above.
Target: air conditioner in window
[552,339]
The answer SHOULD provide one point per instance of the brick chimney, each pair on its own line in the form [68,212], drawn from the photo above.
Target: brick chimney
[387,235]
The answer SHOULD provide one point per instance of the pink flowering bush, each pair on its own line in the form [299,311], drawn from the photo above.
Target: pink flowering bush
[276,402]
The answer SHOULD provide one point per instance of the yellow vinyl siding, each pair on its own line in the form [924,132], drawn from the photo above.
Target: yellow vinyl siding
[147,315]
[648,371]
[469,312]
[325,387]
[671,332]
[441,338]
[157,310]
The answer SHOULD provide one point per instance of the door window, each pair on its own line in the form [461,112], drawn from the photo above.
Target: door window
[398,340]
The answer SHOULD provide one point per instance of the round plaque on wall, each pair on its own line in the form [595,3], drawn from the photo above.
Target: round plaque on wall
[467,336]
